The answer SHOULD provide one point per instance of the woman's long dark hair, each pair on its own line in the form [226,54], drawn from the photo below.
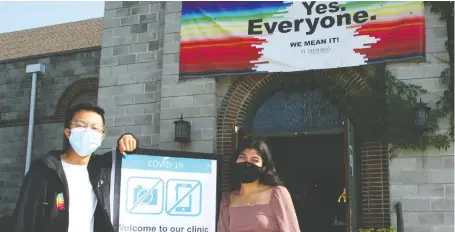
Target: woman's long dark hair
[269,177]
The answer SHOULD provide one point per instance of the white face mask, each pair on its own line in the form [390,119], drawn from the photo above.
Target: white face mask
[85,141]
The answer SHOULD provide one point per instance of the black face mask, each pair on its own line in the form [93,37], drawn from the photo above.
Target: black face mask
[247,172]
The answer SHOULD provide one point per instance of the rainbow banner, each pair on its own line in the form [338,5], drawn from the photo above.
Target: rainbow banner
[232,38]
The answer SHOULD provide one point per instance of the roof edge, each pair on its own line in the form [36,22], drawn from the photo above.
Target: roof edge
[49,54]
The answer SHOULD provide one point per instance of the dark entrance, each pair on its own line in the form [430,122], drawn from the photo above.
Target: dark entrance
[312,146]
[313,169]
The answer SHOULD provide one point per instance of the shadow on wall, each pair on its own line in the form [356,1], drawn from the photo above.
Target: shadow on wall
[6,223]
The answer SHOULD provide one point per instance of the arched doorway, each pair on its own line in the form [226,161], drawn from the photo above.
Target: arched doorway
[83,90]
[252,96]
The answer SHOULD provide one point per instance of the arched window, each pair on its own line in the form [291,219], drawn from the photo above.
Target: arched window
[296,112]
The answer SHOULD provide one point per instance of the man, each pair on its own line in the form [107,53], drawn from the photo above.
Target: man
[68,191]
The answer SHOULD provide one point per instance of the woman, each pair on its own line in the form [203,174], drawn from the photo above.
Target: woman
[258,201]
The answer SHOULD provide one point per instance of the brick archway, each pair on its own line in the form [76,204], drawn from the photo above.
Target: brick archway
[242,99]
[72,92]
[246,92]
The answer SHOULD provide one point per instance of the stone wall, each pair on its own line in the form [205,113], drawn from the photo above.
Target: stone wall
[423,181]
[131,70]
[195,99]
[139,83]
[15,87]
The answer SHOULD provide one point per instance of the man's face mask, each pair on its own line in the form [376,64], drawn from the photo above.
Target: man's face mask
[247,172]
[85,141]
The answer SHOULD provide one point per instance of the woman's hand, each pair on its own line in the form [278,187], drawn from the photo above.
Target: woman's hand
[127,143]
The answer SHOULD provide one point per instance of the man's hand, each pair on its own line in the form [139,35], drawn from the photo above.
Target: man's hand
[127,143]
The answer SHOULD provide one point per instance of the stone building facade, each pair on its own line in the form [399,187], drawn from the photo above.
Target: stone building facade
[136,67]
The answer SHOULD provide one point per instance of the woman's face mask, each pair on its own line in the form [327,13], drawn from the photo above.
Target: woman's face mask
[247,172]
[85,141]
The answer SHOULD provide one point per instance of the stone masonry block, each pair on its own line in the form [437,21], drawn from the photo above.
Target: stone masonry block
[171,58]
[171,48]
[152,86]
[142,67]
[415,177]
[449,218]
[110,91]
[111,23]
[127,59]
[174,113]
[171,69]
[443,228]
[208,134]
[113,131]
[428,163]
[122,31]
[442,205]
[145,57]
[166,136]
[106,62]
[106,52]
[109,5]
[203,122]
[448,191]
[416,205]
[172,22]
[441,176]
[145,77]
[135,109]
[120,50]
[431,190]
[403,191]
[148,18]
[123,121]
[122,12]
[433,218]
[138,48]
[130,3]
[106,101]
[184,101]
[139,28]
[134,88]
[153,45]
[130,20]
[172,7]
[124,100]
[157,6]
[145,119]
[145,98]
[108,81]
[403,163]
[147,37]
[448,162]
[120,69]
[114,111]
[125,79]
[135,130]
[140,10]
[125,40]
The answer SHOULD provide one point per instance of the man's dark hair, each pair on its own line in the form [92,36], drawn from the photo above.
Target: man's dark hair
[82,107]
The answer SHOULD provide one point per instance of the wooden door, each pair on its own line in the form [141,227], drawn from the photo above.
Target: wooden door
[351,174]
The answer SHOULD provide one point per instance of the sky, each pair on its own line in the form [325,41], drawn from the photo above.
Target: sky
[16,16]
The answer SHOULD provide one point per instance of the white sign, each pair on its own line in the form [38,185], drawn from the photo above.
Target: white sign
[167,194]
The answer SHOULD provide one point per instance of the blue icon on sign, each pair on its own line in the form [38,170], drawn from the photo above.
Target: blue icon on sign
[184,197]
[145,195]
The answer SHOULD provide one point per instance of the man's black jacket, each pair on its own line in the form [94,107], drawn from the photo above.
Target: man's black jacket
[37,207]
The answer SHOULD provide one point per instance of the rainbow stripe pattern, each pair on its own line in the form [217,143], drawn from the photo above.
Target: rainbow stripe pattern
[60,202]
[215,39]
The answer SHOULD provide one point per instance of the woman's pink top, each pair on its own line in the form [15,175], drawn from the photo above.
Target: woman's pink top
[277,216]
